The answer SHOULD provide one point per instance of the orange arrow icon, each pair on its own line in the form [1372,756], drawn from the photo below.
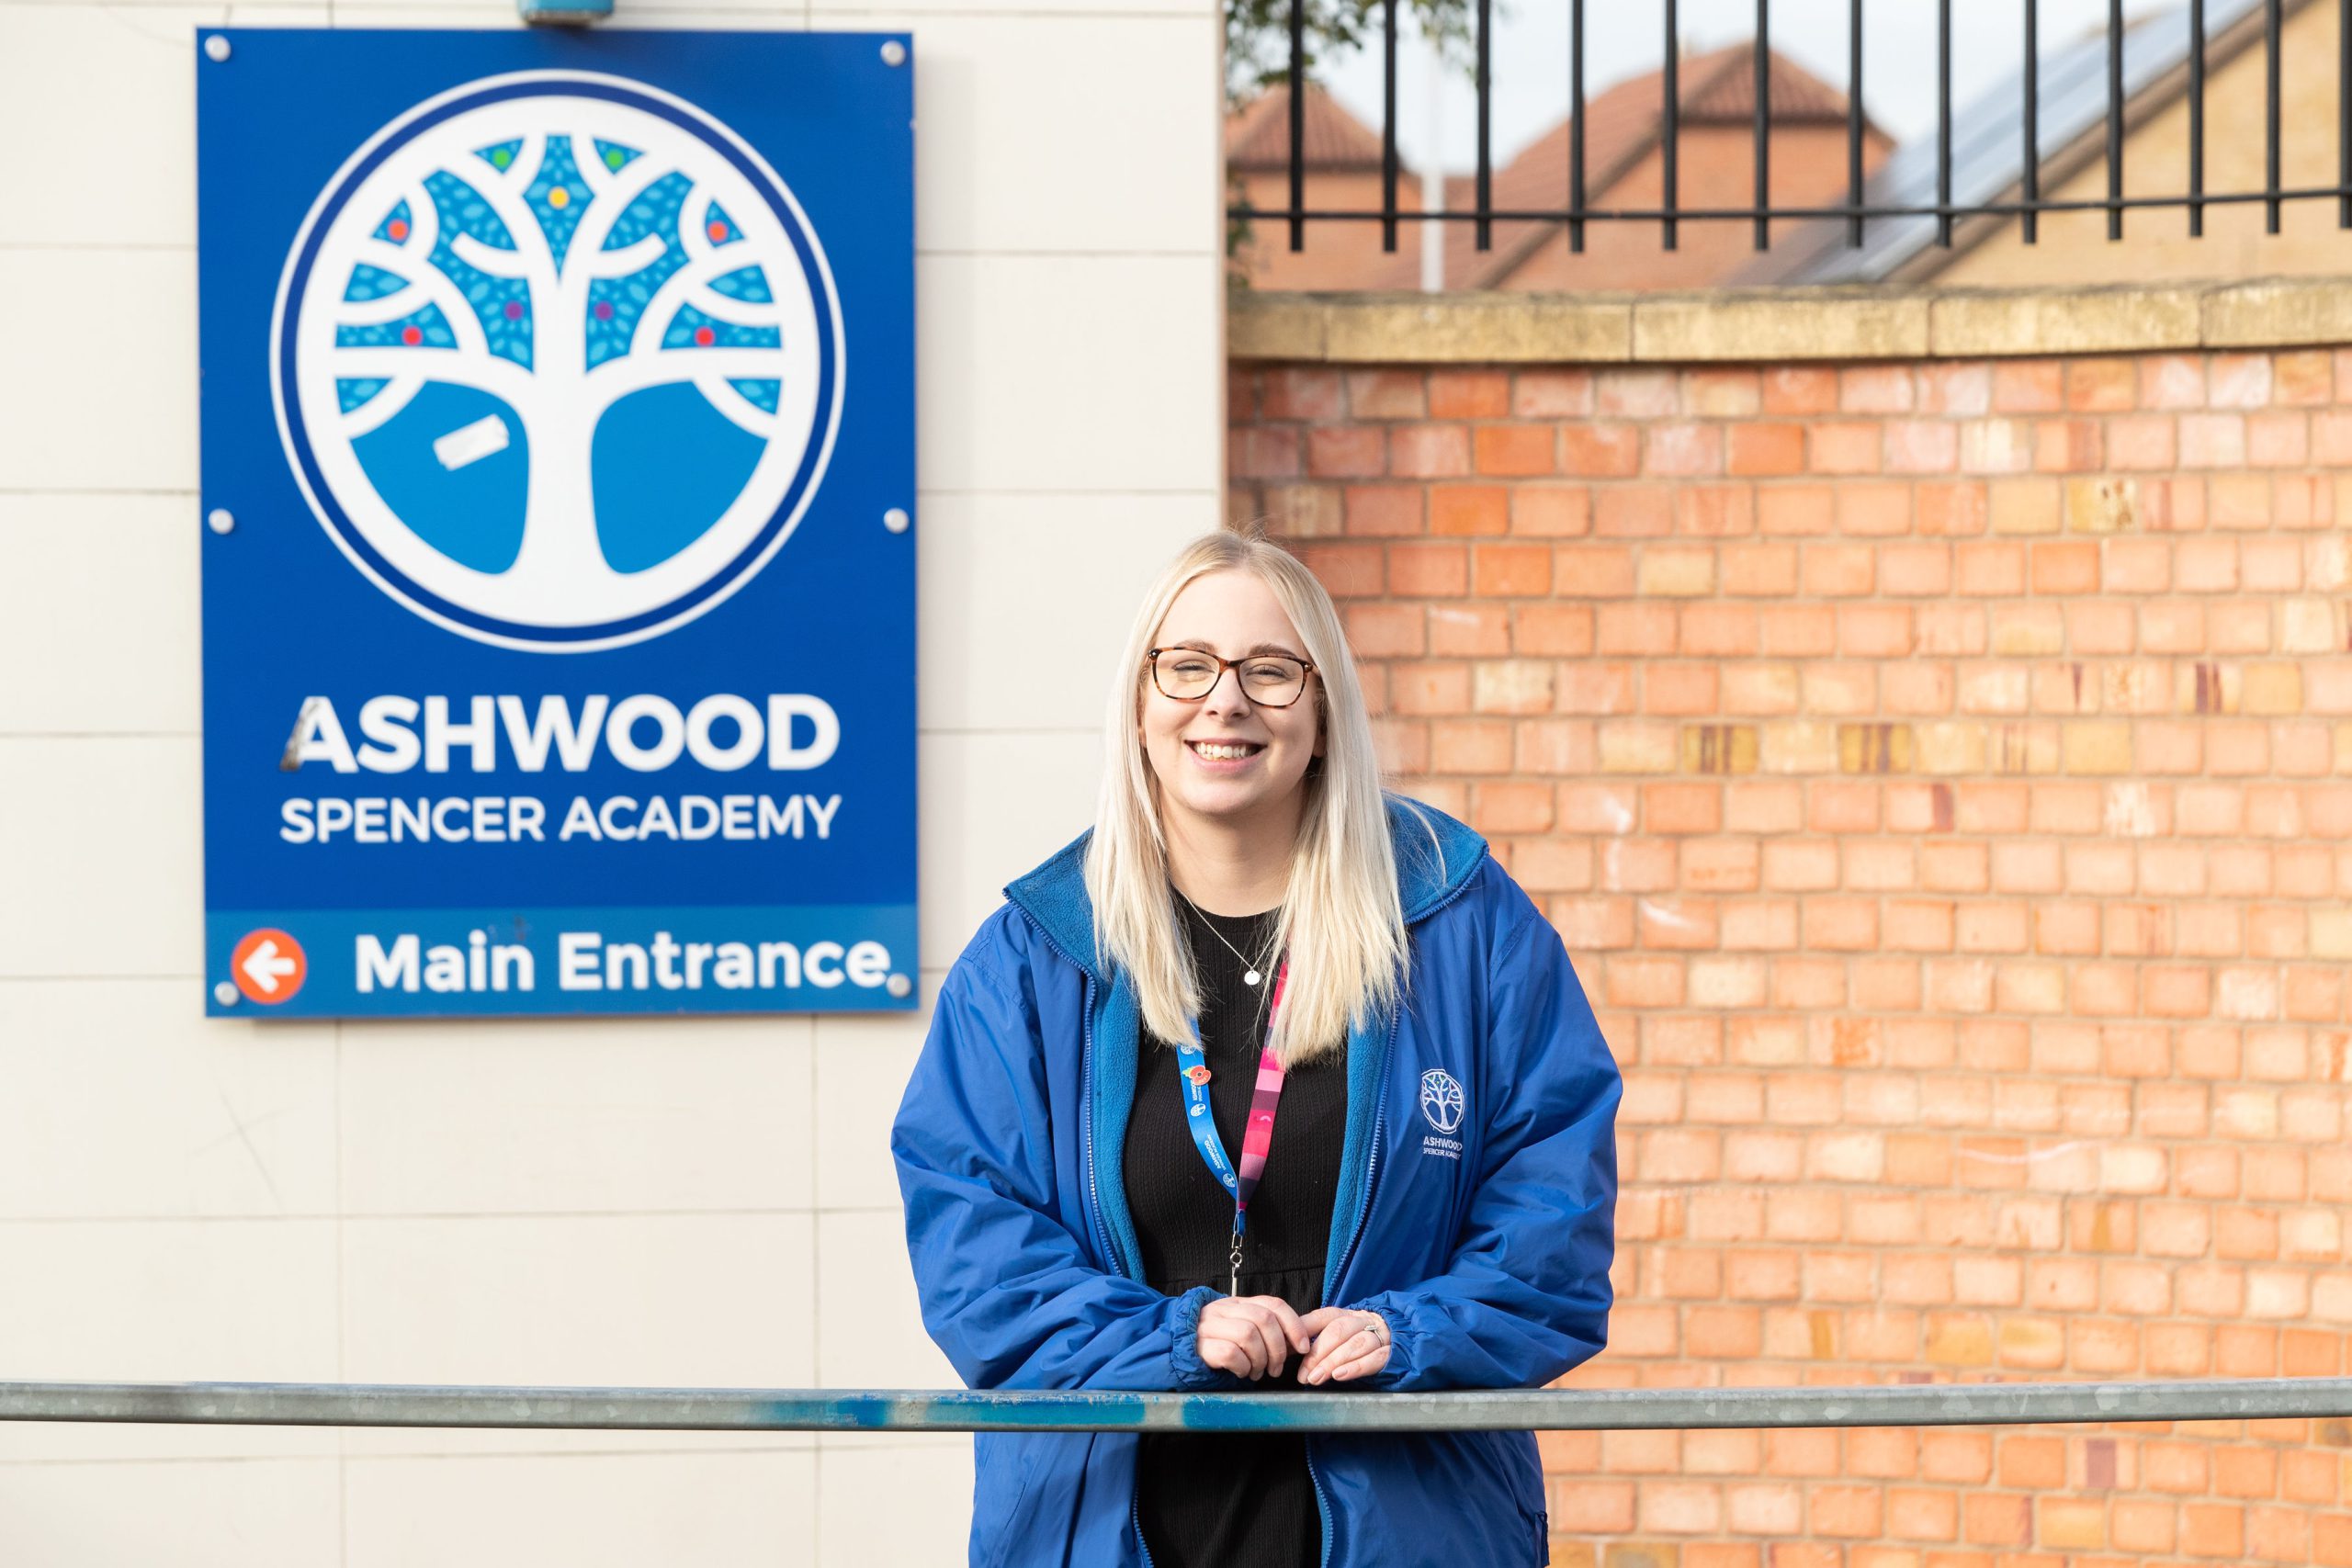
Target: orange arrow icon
[268,966]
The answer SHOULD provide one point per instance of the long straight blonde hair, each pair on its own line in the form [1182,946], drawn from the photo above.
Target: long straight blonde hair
[1343,924]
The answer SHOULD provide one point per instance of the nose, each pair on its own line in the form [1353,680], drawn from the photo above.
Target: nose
[1218,701]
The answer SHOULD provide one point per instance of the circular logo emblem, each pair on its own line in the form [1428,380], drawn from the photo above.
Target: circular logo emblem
[557,361]
[267,966]
[1441,1099]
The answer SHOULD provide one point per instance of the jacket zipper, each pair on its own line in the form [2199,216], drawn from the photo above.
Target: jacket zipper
[1363,1213]
[1086,1128]
[1363,1208]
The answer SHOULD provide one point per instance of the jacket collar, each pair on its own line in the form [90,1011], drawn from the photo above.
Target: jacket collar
[1435,855]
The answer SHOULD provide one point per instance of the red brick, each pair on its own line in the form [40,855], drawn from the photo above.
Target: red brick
[1682,450]
[1561,630]
[1844,447]
[1346,571]
[1601,451]
[1878,510]
[1512,571]
[2066,566]
[1756,449]
[1265,453]
[1800,391]
[1840,571]
[1469,394]
[1473,631]
[1922,447]
[1796,509]
[1429,570]
[1760,571]
[1552,394]
[2102,385]
[1551,511]
[1384,631]
[1301,392]
[2139,440]
[1714,511]
[1347,451]
[1428,451]
[1640,393]
[1908,570]
[2028,385]
[1384,509]
[1633,511]
[1469,509]
[1387,394]
[1515,449]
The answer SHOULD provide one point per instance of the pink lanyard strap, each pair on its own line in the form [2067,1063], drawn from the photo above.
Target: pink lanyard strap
[1258,1133]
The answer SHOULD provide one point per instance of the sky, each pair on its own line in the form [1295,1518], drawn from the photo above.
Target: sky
[1626,37]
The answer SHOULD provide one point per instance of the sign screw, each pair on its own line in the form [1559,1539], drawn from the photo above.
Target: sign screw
[225,994]
[900,986]
[893,53]
[216,48]
[218,519]
[896,520]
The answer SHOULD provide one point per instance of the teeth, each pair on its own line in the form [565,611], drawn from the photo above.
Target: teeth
[1222,754]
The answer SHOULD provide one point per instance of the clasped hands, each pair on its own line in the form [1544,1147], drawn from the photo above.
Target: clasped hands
[1254,1338]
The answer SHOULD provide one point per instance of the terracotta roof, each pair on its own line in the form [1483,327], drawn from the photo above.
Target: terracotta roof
[1622,124]
[1256,136]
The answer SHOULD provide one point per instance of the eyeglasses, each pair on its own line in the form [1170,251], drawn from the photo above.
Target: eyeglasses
[1267,680]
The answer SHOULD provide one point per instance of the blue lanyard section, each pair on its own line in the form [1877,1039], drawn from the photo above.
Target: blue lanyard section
[1193,1075]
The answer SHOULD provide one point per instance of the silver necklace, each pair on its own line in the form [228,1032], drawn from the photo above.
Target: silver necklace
[1251,972]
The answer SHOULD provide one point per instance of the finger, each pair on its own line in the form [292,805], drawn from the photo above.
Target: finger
[1314,1321]
[1221,1356]
[1241,1342]
[1326,1340]
[1362,1366]
[1249,1357]
[1293,1327]
[1276,1343]
[1280,1314]
[1344,1349]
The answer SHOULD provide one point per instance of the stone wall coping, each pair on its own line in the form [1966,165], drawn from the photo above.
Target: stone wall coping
[1748,325]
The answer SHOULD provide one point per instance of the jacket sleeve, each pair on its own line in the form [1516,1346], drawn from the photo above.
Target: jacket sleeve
[1007,1292]
[1526,1295]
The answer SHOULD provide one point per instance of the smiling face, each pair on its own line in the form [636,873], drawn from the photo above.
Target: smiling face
[1224,758]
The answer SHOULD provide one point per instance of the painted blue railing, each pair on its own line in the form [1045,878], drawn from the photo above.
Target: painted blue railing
[903,1410]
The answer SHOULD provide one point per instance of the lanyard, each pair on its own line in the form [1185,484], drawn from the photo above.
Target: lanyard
[1257,1137]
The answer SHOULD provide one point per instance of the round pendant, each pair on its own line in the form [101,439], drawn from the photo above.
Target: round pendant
[1252,978]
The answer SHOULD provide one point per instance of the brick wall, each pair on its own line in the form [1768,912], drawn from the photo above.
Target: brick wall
[1942,774]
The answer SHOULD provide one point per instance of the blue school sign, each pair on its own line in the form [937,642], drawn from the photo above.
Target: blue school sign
[558,475]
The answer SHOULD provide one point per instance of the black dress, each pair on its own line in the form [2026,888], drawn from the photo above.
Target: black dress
[1233,1500]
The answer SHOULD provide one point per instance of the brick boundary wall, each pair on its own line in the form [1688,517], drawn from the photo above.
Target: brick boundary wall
[1937,761]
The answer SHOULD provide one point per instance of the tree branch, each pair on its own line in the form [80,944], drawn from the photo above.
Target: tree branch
[482,372]
[382,408]
[617,378]
[739,411]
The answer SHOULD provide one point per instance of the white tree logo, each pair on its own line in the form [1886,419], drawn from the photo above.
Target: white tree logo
[1441,1099]
[557,361]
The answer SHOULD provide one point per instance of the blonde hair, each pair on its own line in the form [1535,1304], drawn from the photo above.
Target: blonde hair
[1343,924]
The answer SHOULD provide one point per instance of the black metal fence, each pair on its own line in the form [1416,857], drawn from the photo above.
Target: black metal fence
[2237,24]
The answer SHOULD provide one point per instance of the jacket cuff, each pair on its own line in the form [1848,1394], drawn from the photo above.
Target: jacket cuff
[1190,1374]
[1403,1339]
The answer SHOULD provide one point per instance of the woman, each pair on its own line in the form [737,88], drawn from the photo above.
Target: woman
[1270,1080]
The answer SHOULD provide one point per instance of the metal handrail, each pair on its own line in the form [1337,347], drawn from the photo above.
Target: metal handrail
[906,1410]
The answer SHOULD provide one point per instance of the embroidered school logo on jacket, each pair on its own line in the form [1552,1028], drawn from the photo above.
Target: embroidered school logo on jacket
[1441,1099]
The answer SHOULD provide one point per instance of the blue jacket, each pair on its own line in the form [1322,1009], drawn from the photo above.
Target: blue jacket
[1476,1213]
